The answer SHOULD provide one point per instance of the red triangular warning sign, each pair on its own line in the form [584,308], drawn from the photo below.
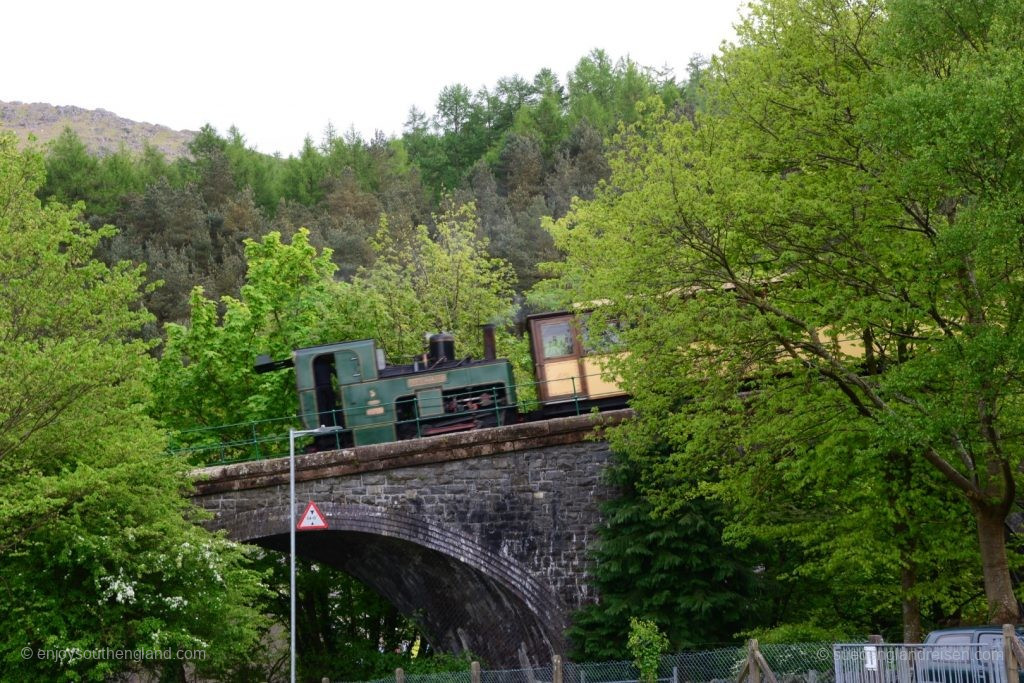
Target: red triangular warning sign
[312,519]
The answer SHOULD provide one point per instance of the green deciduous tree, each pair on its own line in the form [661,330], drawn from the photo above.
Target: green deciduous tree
[290,300]
[825,265]
[420,284]
[98,544]
[673,570]
[646,644]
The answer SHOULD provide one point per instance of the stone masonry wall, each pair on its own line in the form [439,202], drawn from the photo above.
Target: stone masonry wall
[520,503]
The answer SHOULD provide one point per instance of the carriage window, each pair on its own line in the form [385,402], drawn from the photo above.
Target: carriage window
[606,340]
[556,339]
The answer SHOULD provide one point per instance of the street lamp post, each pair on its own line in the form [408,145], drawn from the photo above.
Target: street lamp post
[292,435]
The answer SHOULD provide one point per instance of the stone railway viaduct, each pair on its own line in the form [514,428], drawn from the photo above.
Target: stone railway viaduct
[481,536]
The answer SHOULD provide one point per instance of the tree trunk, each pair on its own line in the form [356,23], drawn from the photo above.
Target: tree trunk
[1002,605]
[912,630]
[899,482]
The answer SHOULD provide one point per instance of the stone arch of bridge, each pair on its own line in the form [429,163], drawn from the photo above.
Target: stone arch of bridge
[466,597]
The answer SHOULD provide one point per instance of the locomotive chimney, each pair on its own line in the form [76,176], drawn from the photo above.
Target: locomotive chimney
[490,348]
[442,348]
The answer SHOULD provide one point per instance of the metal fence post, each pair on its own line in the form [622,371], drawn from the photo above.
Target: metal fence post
[399,675]
[556,669]
[474,672]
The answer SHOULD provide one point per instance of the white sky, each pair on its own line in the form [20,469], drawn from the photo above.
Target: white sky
[283,69]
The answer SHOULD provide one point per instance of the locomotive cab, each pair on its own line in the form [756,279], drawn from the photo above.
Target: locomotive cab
[322,376]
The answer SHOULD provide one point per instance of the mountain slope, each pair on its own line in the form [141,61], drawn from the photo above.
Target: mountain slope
[103,132]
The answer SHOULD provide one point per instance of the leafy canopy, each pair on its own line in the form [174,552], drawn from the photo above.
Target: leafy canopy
[205,376]
[822,279]
[99,548]
[422,283]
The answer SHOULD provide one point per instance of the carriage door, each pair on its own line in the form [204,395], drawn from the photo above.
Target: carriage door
[557,349]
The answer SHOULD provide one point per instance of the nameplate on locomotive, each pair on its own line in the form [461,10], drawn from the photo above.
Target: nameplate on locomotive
[426,380]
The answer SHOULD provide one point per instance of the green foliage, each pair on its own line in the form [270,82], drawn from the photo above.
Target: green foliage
[71,172]
[606,95]
[257,172]
[100,548]
[536,140]
[345,630]
[646,645]
[802,633]
[673,570]
[290,300]
[544,122]
[419,284]
[303,177]
[184,242]
[820,279]
[73,175]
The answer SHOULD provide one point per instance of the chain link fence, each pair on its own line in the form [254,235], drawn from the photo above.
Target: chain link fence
[799,663]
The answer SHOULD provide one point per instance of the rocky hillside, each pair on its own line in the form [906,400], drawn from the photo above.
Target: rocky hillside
[102,131]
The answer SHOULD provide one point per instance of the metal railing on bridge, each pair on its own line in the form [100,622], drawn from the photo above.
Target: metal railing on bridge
[268,438]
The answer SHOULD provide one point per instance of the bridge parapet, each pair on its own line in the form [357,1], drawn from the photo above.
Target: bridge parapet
[415,452]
